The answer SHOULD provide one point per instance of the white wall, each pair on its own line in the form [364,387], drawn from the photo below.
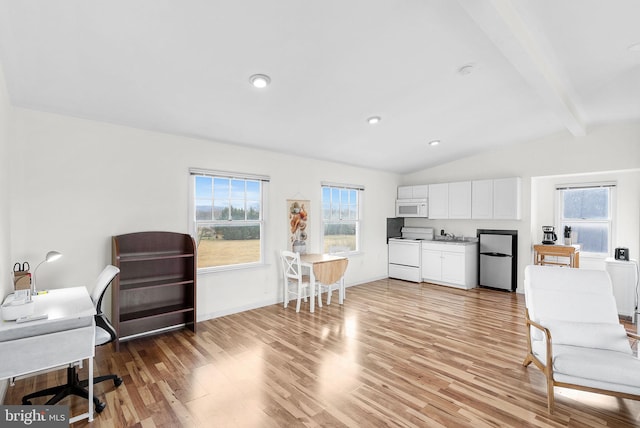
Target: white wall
[76,183]
[5,231]
[625,211]
[605,149]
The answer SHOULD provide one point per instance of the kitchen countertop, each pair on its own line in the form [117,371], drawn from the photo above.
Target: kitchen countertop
[455,241]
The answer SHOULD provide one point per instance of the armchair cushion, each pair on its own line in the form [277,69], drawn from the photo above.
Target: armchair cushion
[598,365]
[607,336]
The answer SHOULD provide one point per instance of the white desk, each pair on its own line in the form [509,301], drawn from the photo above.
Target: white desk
[66,336]
[328,269]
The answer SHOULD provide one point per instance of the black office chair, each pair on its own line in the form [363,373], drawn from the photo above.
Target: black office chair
[105,333]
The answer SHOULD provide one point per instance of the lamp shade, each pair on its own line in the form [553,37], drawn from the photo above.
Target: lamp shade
[52,256]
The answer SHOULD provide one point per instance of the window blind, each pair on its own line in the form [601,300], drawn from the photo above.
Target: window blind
[342,185]
[585,185]
[227,174]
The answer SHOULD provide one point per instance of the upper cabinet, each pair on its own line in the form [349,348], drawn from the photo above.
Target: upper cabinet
[413,192]
[460,200]
[439,200]
[482,199]
[493,199]
[506,198]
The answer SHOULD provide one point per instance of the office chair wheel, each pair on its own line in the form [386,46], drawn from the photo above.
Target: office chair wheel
[26,402]
[100,406]
[117,381]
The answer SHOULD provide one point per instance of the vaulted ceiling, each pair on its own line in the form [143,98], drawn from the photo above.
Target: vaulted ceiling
[473,74]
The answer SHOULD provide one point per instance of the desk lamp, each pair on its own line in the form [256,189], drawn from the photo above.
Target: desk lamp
[51,256]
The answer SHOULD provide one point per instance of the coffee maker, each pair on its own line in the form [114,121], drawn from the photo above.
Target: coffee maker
[549,236]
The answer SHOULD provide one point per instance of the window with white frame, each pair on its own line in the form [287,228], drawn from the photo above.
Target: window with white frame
[341,214]
[227,218]
[587,211]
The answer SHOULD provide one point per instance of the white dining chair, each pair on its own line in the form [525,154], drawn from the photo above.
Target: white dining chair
[295,283]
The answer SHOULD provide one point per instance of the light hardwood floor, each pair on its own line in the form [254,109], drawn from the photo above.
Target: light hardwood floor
[395,354]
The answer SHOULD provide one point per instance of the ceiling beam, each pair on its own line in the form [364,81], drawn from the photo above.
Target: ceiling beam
[508,31]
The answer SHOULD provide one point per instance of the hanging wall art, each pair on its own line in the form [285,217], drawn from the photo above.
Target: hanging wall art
[298,213]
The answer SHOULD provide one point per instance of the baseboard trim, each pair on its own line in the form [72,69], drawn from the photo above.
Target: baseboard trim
[257,305]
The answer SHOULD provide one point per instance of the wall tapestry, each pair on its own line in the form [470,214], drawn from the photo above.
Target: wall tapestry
[298,212]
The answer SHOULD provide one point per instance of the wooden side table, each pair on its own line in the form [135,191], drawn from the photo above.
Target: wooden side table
[540,252]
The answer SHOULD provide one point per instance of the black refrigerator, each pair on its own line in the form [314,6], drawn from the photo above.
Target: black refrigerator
[497,258]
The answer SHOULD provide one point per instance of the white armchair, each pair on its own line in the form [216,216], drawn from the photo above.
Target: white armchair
[575,336]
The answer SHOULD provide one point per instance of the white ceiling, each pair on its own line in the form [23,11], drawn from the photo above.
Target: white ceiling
[182,67]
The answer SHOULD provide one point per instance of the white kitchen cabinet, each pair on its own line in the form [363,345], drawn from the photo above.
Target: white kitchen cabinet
[439,200]
[460,200]
[405,192]
[454,265]
[453,268]
[498,199]
[420,191]
[431,263]
[506,198]
[482,199]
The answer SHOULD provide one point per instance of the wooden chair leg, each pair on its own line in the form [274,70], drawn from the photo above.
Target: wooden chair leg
[550,398]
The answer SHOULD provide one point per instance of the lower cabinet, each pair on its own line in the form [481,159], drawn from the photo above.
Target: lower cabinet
[453,265]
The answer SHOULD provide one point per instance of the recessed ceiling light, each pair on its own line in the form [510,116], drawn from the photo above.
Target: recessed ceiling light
[466,70]
[260,80]
[434,142]
[635,47]
[373,120]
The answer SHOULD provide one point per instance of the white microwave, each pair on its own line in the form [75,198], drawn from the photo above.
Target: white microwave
[412,208]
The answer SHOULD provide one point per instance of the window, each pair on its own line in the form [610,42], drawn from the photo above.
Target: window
[227,218]
[341,205]
[587,210]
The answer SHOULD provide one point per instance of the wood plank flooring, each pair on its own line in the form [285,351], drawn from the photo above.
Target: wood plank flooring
[396,354]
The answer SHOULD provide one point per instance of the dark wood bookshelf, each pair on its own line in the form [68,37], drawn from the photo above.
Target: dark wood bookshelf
[156,288]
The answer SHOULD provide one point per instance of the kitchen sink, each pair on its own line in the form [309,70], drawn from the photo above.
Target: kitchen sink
[455,239]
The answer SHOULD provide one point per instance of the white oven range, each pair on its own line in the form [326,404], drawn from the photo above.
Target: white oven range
[405,253]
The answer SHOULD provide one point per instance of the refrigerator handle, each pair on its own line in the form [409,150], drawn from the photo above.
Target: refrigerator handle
[495,254]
